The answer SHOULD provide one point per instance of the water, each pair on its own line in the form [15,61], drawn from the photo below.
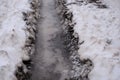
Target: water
[51,61]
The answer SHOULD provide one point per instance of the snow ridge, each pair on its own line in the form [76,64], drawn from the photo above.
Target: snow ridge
[99,28]
[14,37]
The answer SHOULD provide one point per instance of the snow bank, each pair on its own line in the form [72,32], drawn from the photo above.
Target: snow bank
[13,36]
[99,28]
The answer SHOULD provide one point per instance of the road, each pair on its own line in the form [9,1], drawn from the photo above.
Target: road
[50,61]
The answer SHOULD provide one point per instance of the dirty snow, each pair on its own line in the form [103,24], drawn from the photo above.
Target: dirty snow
[99,28]
[12,36]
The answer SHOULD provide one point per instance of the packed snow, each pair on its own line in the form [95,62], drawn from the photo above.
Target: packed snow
[99,28]
[12,37]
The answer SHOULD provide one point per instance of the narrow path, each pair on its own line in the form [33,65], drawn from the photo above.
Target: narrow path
[50,59]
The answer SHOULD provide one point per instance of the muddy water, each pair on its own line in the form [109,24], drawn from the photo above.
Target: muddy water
[50,61]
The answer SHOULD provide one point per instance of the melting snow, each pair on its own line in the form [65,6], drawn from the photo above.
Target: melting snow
[99,28]
[12,36]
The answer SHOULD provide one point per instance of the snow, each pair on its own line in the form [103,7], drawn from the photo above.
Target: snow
[115,5]
[99,28]
[12,36]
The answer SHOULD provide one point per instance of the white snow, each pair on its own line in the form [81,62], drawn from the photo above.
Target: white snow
[100,29]
[12,36]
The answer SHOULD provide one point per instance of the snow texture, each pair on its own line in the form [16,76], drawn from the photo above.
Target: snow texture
[12,37]
[99,28]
